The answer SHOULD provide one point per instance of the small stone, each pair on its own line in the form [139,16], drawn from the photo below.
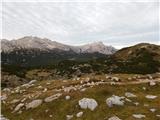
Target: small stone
[34,104]
[18,107]
[67,97]
[136,103]
[151,96]
[158,116]
[50,116]
[152,83]
[53,97]
[79,114]
[69,117]
[14,101]
[153,110]
[114,118]
[128,94]
[139,116]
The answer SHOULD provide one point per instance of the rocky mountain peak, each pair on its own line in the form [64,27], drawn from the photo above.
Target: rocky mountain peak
[31,42]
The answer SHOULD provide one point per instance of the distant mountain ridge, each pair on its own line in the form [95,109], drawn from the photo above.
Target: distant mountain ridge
[44,44]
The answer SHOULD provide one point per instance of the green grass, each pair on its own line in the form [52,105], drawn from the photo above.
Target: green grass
[60,108]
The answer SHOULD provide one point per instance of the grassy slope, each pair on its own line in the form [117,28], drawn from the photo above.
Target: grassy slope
[61,107]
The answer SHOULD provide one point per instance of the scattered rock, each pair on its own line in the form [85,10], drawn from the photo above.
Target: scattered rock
[68,89]
[53,97]
[152,83]
[14,101]
[144,88]
[67,97]
[151,96]
[3,97]
[18,107]
[84,89]
[34,104]
[115,100]
[32,81]
[79,114]
[128,94]
[158,116]
[153,110]
[69,117]
[45,89]
[136,103]
[139,116]
[116,79]
[88,103]
[114,118]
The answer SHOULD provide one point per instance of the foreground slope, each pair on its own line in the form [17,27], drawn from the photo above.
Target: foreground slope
[98,87]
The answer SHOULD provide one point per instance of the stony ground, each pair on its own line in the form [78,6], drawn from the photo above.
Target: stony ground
[137,97]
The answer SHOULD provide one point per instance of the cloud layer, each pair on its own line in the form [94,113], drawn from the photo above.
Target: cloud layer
[114,23]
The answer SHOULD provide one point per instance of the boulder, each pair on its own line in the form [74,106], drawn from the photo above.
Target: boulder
[115,100]
[88,103]
[53,97]
[34,104]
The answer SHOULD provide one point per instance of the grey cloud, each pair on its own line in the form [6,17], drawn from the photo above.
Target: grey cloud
[117,24]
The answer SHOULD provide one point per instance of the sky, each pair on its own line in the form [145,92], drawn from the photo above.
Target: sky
[119,24]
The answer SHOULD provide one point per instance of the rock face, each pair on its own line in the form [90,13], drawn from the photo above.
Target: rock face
[34,104]
[53,97]
[114,118]
[115,100]
[88,103]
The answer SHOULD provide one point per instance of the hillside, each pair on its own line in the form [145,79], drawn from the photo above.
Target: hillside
[137,96]
[138,59]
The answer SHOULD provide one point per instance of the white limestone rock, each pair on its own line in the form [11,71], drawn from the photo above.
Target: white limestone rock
[67,97]
[34,104]
[14,101]
[114,118]
[128,94]
[79,114]
[69,117]
[115,100]
[53,97]
[152,109]
[19,106]
[152,83]
[138,116]
[151,96]
[88,103]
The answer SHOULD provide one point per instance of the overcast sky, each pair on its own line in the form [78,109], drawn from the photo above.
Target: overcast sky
[118,24]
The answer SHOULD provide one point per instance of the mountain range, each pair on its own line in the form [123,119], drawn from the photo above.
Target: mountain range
[44,44]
